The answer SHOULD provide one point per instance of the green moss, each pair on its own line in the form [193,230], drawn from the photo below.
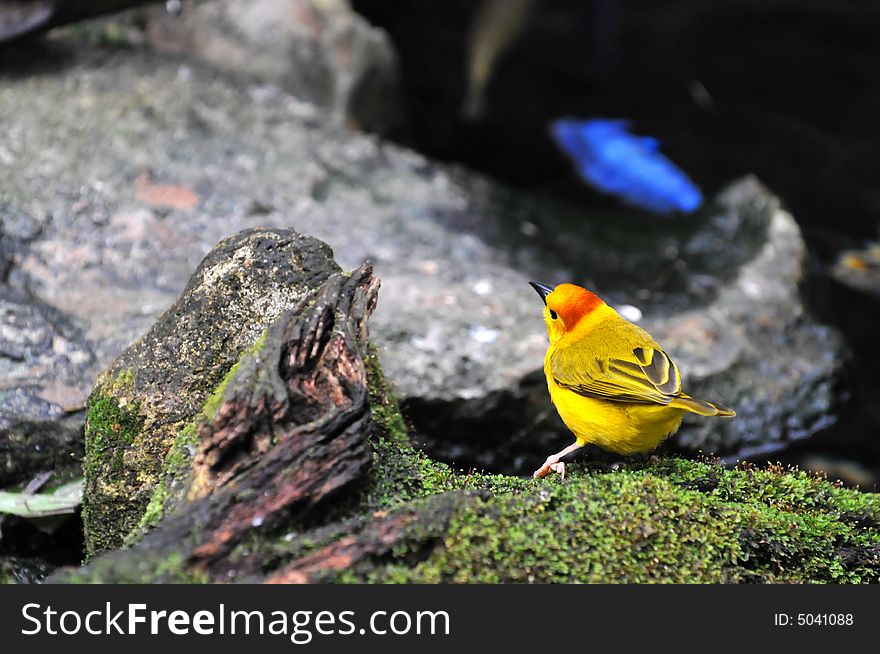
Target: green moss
[123,383]
[216,398]
[171,484]
[212,404]
[132,477]
[150,568]
[673,521]
[153,513]
[400,472]
[112,427]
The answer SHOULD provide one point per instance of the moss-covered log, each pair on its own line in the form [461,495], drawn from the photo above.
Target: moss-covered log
[285,432]
[151,396]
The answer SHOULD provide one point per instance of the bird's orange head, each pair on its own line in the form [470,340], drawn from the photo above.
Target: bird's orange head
[565,306]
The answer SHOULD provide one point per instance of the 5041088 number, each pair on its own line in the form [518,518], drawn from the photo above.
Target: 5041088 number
[824,619]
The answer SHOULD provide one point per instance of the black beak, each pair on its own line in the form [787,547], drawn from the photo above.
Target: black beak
[542,289]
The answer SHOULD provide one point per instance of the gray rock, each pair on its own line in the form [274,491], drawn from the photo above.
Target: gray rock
[723,300]
[754,345]
[154,160]
[46,367]
[319,50]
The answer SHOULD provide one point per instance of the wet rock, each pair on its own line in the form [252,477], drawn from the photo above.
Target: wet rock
[320,51]
[459,330]
[155,387]
[754,344]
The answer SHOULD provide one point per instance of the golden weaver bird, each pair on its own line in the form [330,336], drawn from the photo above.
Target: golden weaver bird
[611,383]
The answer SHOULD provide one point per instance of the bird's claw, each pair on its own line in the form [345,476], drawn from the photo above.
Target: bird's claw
[552,464]
[559,468]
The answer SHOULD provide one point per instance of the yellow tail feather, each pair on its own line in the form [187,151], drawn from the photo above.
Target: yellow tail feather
[701,407]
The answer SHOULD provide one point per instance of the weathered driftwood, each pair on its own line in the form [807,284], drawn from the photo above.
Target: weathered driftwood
[291,431]
[293,427]
[158,386]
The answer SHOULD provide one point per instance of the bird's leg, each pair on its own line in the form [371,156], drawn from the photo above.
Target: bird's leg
[554,464]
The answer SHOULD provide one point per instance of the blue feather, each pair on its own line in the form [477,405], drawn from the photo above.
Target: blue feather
[612,160]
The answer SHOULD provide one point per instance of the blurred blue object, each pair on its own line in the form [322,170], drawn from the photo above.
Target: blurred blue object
[631,167]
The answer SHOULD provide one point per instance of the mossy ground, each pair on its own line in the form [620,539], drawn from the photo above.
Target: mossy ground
[400,472]
[150,568]
[670,521]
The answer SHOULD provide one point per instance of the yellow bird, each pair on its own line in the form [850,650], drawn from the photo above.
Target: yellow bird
[611,383]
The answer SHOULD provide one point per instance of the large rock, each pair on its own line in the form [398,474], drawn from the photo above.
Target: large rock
[723,300]
[47,368]
[153,160]
[319,50]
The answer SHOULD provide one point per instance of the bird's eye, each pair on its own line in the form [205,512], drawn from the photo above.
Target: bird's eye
[553,315]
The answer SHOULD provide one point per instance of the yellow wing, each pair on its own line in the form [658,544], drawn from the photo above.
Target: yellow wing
[650,376]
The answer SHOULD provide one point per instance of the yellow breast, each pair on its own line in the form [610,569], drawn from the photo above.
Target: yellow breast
[620,427]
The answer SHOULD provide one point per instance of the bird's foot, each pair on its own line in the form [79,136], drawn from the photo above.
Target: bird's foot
[552,464]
